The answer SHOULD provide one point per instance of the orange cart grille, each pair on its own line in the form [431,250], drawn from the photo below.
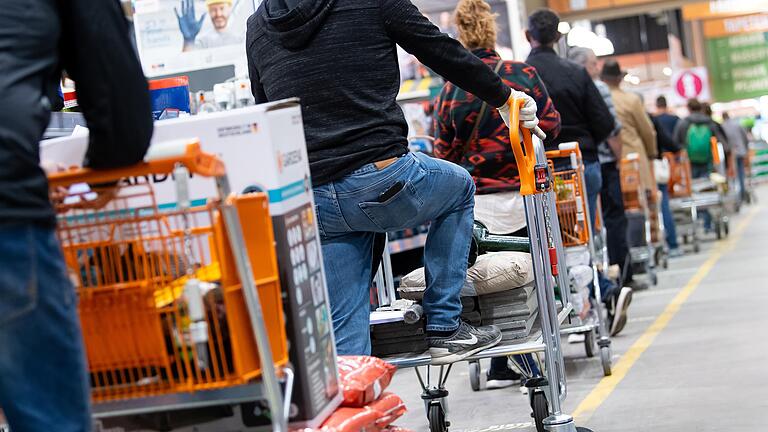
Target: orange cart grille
[571,207]
[130,261]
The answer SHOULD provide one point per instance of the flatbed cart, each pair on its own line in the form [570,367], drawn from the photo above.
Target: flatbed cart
[180,305]
[577,234]
[546,393]
[636,205]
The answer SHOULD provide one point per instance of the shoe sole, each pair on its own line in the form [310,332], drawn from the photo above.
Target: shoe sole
[457,357]
[500,384]
[620,320]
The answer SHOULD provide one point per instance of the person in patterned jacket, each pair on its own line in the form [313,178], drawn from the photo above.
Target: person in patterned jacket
[475,137]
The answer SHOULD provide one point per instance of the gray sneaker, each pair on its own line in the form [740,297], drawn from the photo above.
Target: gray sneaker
[466,341]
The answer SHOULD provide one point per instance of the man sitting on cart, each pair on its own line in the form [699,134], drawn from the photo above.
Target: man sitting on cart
[340,58]
[467,133]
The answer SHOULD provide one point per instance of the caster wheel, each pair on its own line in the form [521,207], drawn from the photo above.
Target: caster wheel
[474,375]
[590,343]
[606,360]
[719,230]
[654,278]
[727,228]
[685,239]
[696,247]
[436,416]
[540,409]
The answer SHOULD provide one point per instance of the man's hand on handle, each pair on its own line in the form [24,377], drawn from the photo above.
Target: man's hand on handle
[528,117]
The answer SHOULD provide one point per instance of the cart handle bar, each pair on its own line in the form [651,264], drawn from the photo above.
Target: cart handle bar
[525,156]
[191,156]
[565,150]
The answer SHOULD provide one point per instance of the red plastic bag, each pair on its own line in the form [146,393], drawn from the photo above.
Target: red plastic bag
[352,420]
[390,407]
[396,429]
[363,379]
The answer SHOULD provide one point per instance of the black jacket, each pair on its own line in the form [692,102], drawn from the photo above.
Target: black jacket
[339,57]
[90,40]
[584,115]
[664,141]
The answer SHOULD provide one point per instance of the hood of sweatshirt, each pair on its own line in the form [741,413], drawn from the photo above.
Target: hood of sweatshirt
[294,23]
[699,118]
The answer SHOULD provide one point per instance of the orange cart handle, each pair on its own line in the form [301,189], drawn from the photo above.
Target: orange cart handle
[715,150]
[565,150]
[196,161]
[525,156]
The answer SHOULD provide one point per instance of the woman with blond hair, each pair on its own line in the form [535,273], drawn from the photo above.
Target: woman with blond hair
[469,133]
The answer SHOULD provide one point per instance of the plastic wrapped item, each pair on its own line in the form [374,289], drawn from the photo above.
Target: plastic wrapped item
[376,417]
[580,302]
[396,429]
[363,379]
[581,276]
[576,256]
[390,407]
[493,272]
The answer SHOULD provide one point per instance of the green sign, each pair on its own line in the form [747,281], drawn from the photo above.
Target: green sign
[738,66]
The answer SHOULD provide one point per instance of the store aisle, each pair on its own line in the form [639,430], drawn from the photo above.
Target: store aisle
[691,358]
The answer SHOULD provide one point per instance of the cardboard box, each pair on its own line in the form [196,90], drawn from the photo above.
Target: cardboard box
[263,148]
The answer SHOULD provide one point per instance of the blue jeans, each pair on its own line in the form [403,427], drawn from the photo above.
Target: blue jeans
[593,179]
[742,176]
[669,220]
[43,380]
[349,215]
[702,171]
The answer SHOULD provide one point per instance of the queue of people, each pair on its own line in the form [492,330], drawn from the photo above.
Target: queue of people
[365,180]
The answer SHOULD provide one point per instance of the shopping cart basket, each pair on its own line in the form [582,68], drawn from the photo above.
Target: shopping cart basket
[576,231]
[681,200]
[638,211]
[180,305]
[546,393]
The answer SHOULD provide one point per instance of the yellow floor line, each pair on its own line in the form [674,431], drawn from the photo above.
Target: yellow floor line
[607,385]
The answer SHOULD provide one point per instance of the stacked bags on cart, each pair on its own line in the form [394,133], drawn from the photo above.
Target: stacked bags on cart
[366,407]
[499,290]
[578,262]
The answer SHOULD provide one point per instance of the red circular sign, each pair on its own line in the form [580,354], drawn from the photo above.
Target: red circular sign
[689,85]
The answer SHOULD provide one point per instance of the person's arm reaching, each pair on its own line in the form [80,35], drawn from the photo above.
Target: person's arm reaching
[416,34]
[601,123]
[111,88]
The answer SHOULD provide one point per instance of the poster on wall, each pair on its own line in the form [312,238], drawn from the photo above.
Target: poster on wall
[176,36]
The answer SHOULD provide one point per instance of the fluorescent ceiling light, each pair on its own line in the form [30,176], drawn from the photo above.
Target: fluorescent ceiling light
[579,36]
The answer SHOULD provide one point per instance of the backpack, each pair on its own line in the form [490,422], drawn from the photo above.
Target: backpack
[699,147]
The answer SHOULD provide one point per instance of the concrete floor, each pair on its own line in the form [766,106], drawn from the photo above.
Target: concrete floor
[701,366]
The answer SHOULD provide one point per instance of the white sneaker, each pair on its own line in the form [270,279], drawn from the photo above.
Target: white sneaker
[620,313]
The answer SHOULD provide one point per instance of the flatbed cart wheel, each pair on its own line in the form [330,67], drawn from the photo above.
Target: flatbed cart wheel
[727,228]
[540,409]
[474,375]
[606,360]
[436,417]
[696,245]
[590,343]
[719,230]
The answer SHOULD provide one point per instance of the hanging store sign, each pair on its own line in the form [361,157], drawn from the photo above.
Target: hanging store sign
[174,36]
[736,25]
[691,83]
[723,8]
[738,66]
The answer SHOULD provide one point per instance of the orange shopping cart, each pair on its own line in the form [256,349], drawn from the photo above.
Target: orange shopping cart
[641,216]
[681,198]
[579,240]
[180,306]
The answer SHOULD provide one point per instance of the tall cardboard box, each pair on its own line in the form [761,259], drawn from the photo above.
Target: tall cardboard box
[263,148]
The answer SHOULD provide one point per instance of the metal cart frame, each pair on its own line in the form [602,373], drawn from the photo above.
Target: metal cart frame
[182,159]
[595,331]
[546,393]
[639,255]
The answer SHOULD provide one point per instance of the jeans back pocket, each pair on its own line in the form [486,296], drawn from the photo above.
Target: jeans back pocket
[397,212]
